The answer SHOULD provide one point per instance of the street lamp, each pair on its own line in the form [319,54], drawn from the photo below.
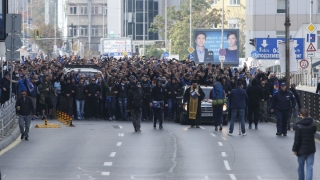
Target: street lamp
[71,34]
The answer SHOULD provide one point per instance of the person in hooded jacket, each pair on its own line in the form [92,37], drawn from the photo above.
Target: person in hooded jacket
[158,100]
[92,91]
[172,92]
[111,91]
[122,98]
[294,113]
[304,145]
[264,101]
[254,93]
[67,91]
[134,105]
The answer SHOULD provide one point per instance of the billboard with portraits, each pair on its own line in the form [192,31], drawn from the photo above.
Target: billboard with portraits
[207,43]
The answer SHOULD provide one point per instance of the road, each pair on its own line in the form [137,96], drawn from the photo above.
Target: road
[111,150]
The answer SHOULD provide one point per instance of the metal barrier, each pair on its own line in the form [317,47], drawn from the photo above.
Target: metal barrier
[7,116]
[311,102]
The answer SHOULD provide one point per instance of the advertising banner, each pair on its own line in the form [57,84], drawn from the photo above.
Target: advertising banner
[116,46]
[207,43]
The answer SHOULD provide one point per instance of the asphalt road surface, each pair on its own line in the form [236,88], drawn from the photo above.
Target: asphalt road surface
[112,150]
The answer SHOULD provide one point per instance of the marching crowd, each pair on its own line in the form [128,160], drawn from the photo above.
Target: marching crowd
[147,90]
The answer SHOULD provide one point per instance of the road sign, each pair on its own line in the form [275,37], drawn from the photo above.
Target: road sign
[222,58]
[111,54]
[190,49]
[165,55]
[255,63]
[311,38]
[13,23]
[222,52]
[304,64]
[311,28]
[191,57]
[13,41]
[255,54]
[12,57]
[311,48]
[268,47]
[311,54]
[125,53]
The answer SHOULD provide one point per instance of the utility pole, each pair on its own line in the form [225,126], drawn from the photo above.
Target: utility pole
[311,13]
[222,31]
[190,23]
[103,12]
[287,24]
[166,24]
[144,27]
[55,27]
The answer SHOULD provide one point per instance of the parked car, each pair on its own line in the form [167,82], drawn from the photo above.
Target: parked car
[206,108]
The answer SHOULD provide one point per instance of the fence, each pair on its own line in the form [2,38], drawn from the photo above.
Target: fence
[310,101]
[7,116]
[303,79]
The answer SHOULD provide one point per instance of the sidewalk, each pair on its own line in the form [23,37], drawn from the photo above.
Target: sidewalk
[11,136]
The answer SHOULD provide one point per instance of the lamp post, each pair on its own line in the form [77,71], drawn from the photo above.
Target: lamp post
[71,34]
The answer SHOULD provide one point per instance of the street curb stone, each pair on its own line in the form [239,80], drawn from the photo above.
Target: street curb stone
[10,138]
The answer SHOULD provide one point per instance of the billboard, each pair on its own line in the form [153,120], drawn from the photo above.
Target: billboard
[207,43]
[116,46]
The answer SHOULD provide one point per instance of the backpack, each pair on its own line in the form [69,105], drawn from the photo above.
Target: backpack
[137,100]
[218,95]
[217,91]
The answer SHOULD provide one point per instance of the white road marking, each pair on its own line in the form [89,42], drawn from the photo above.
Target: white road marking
[212,134]
[233,177]
[259,177]
[224,154]
[220,143]
[113,154]
[202,127]
[12,145]
[119,143]
[105,173]
[226,164]
[121,134]
[120,127]
[206,177]
[174,156]
[132,177]
[108,164]
[224,138]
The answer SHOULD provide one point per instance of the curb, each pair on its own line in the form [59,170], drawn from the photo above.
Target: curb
[10,138]
[316,135]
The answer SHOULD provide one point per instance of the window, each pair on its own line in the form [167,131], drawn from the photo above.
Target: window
[234,2]
[318,6]
[233,23]
[72,31]
[83,10]
[94,31]
[73,10]
[281,6]
[84,31]
[94,10]
[214,2]
[281,34]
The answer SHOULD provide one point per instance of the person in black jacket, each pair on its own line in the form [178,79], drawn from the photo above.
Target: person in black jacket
[5,88]
[298,106]
[134,105]
[25,108]
[283,101]
[158,100]
[92,90]
[304,144]
[122,98]
[67,91]
[146,87]
[172,92]
[254,93]
[80,97]
[264,101]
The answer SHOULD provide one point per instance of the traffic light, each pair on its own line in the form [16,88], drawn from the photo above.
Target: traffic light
[37,34]
[253,41]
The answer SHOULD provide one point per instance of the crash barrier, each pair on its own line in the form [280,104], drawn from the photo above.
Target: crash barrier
[302,79]
[8,116]
[310,101]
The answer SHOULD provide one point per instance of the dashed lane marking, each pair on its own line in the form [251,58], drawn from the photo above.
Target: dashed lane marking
[120,127]
[233,177]
[220,143]
[113,154]
[226,164]
[105,173]
[224,154]
[259,177]
[202,127]
[213,135]
[121,134]
[108,164]
[119,143]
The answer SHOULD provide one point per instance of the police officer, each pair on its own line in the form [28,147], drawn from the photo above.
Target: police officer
[283,102]
[158,100]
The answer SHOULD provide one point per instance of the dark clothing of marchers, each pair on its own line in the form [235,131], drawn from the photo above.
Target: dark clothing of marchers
[26,109]
[255,94]
[304,142]
[158,94]
[297,96]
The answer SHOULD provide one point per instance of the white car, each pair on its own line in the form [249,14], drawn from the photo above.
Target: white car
[84,69]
